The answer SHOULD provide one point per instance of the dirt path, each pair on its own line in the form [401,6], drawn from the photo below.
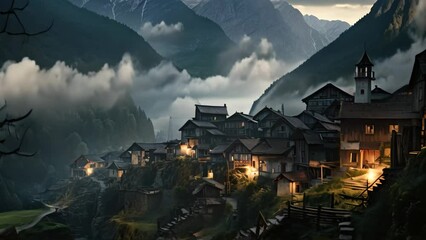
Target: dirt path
[36,220]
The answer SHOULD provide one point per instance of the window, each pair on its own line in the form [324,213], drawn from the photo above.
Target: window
[362,91]
[242,124]
[369,129]
[393,127]
[353,157]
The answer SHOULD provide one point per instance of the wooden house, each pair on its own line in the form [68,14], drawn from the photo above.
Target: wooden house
[85,165]
[289,183]
[239,153]
[366,126]
[324,97]
[378,94]
[310,118]
[265,157]
[212,114]
[274,157]
[142,153]
[273,124]
[173,149]
[209,199]
[116,169]
[201,137]
[240,125]
[217,154]
[417,88]
[112,156]
[309,146]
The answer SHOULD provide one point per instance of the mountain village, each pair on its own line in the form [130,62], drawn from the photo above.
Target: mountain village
[372,129]
[334,145]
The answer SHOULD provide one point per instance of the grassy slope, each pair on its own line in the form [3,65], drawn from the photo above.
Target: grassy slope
[17,218]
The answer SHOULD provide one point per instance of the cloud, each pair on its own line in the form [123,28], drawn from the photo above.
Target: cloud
[161,90]
[25,85]
[150,31]
[394,72]
[420,17]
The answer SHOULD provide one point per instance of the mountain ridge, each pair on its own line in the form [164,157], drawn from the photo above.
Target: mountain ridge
[385,30]
[293,40]
[198,45]
[85,53]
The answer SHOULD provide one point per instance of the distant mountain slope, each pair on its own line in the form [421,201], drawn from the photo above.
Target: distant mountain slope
[198,45]
[384,30]
[80,38]
[292,38]
[330,29]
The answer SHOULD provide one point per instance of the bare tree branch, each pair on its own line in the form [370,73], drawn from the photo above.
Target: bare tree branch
[12,120]
[12,11]
[17,149]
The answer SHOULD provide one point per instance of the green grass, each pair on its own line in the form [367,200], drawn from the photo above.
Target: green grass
[355,172]
[18,218]
[138,223]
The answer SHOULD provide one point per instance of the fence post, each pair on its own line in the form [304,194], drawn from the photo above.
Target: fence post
[318,217]
[304,200]
[288,209]
[332,200]
[304,212]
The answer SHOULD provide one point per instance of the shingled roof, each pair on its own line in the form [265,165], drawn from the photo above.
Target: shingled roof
[365,61]
[222,110]
[200,124]
[272,147]
[242,115]
[396,107]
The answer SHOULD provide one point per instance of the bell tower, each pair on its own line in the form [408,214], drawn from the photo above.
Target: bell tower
[364,74]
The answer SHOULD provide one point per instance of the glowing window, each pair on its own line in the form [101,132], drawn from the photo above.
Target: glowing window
[369,129]
[393,127]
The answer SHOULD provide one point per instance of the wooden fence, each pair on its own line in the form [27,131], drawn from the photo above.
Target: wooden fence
[319,216]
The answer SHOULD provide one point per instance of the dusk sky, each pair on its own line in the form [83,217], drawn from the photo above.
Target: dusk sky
[346,10]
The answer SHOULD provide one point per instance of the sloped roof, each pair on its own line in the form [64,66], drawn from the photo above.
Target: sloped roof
[328,85]
[315,115]
[294,122]
[219,149]
[379,94]
[312,138]
[112,154]
[93,158]
[214,183]
[204,184]
[272,147]
[160,151]
[245,116]
[365,61]
[200,124]
[299,176]
[419,67]
[119,165]
[152,146]
[215,132]
[396,107]
[202,147]
[222,110]
[266,109]
[249,143]
[329,126]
